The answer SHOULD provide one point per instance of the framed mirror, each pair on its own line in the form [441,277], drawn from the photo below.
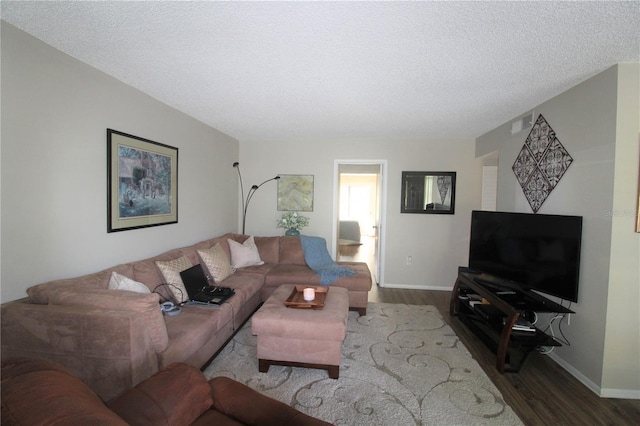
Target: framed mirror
[428,192]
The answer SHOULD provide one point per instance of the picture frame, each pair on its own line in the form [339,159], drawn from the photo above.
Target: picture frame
[142,182]
[428,192]
[295,193]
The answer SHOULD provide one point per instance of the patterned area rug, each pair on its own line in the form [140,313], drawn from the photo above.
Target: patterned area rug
[401,365]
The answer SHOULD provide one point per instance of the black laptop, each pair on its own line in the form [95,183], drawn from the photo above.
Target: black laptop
[199,291]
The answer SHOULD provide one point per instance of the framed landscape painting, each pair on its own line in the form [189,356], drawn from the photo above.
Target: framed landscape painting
[142,179]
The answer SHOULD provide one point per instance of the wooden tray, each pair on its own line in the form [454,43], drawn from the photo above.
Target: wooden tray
[296,299]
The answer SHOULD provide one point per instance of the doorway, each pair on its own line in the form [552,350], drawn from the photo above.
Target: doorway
[359,200]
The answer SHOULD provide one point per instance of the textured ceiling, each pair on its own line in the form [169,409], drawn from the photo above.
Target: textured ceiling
[317,70]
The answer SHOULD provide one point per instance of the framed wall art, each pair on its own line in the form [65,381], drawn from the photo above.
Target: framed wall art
[142,182]
[541,163]
[295,193]
[428,192]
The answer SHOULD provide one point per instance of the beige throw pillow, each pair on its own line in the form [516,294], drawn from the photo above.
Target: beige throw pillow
[245,254]
[120,282]
[170,270]
[216,262]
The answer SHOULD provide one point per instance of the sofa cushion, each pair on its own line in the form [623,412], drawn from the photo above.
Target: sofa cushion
[120,282]
[258,269]
[245,254]
[191,252]
[216,262]
[298,274]
[170,270]
[250,407]
[176,395]
[145,305]
[291,274]
[291,251]
[42,392]
[269,248]
[246,286]
[191,330]
[40,293]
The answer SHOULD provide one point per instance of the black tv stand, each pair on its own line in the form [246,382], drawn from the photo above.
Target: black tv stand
[494,326]
[496,283]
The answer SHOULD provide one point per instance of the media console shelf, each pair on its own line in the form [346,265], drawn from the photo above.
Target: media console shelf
[506,302]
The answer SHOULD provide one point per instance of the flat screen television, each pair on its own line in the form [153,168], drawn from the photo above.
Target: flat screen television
[532,251]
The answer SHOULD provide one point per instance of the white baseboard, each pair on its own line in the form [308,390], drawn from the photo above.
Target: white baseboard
[575,373]
[601,392]
[620,393]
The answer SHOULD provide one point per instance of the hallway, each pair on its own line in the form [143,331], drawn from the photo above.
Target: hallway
[365,252]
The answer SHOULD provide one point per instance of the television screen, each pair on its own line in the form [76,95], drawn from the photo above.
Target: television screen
[536,251]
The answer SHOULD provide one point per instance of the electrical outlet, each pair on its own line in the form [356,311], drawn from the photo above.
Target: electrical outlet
[409,260]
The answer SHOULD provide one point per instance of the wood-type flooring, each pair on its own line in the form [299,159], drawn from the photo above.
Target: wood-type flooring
[542,393]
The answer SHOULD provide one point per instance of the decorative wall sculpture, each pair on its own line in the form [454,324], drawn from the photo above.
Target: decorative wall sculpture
[541,163]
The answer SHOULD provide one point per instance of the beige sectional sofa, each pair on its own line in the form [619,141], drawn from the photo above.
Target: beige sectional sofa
[114,339]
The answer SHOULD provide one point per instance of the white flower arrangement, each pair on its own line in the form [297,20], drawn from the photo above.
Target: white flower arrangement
[292,220]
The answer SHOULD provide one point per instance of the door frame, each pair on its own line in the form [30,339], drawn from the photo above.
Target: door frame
[382,208]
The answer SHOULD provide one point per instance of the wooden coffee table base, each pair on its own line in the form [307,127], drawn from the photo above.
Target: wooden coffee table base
[264,364]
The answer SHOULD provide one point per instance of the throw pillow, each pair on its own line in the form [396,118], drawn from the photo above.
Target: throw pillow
[170,270]
[216,262]
[245,254]
[120,282]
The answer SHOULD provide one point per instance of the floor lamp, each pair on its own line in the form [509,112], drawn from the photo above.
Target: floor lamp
[250,193]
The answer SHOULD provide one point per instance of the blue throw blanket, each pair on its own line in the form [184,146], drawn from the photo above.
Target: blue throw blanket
[318,259]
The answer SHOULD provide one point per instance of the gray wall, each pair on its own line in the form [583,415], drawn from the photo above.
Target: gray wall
[621,366]
[602,180]
[438,244]
[55,112]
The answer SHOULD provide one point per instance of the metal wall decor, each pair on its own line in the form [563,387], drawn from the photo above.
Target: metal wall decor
[541,163]
[142,179]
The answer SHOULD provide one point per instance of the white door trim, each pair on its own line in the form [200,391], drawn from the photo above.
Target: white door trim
[382,213]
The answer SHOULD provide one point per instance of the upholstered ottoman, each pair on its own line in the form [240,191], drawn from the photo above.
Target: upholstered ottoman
[309,338]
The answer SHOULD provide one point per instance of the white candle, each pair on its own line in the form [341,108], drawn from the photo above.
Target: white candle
[309,294]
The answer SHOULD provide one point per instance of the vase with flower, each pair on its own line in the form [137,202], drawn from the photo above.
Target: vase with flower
[293,223]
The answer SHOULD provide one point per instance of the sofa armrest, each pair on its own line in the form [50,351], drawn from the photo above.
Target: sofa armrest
[145,305]
[109,350]
[176,395]
[42,392]
[250,407]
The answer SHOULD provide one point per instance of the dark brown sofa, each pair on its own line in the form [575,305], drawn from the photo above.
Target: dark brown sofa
[42,392]
[114,339]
